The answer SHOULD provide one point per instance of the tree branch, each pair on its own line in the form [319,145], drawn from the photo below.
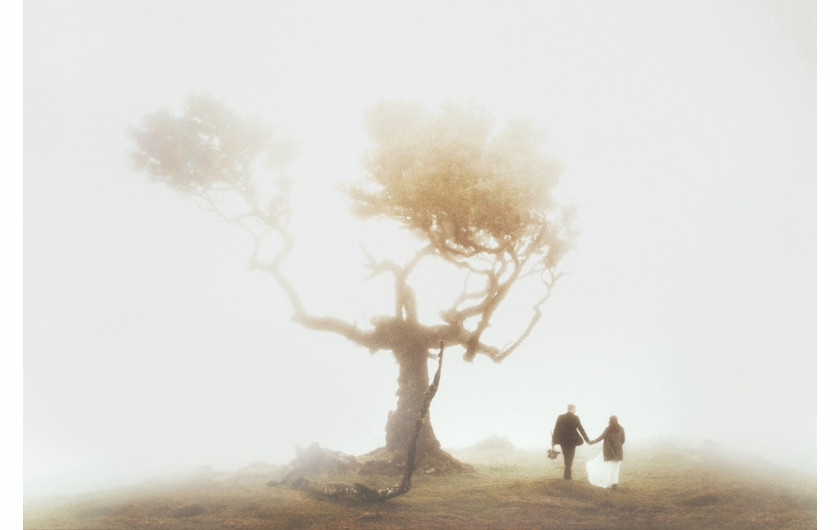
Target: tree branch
[405,303]
[534,319]
[349,331]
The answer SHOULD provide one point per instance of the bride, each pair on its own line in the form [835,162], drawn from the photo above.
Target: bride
[603,472]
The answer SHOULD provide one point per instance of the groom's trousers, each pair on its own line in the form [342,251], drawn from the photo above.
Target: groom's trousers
[568,456]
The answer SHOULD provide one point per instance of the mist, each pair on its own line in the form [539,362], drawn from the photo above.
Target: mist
[687,132]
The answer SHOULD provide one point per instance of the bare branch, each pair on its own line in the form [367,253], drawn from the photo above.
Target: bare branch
[405,302]
[534,319]
[349,331]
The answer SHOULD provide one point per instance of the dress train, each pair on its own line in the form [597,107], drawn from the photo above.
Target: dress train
[603,473]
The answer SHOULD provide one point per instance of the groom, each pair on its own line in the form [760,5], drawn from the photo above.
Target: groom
[567,433]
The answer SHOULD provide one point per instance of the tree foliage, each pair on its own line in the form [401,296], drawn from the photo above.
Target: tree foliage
[467,187]
[211,154]
[207,147]
[481,196]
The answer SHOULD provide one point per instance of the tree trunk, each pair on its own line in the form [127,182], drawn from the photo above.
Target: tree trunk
[412,382]
[359,491]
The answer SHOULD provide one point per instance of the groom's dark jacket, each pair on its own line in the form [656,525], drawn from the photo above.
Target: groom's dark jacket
[568,430]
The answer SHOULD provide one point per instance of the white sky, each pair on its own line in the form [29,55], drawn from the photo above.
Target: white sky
[688,136]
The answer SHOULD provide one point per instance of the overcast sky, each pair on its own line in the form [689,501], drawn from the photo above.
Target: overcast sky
[687,131]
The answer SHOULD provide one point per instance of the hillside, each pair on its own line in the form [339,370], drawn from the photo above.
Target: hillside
[661,486]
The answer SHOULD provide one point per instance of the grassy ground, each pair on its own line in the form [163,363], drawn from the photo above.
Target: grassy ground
[663,487]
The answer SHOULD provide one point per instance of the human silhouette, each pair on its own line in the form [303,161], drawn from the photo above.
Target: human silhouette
[604,473]
[568,433]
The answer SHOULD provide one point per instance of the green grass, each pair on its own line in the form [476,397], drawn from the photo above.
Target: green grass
[660,487]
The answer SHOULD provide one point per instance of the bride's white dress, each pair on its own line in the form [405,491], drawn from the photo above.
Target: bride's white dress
[602,474]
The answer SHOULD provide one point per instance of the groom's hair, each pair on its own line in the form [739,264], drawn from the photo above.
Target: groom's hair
[570,408]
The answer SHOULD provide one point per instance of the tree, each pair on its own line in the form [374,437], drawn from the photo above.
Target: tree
[480,197]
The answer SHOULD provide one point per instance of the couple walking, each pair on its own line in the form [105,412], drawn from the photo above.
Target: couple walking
[569,433]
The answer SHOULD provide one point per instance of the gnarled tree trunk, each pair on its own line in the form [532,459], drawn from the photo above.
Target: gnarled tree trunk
[361,492]
[413,381]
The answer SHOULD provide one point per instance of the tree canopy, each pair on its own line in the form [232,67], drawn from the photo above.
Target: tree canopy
[481,196]
[208,146]
[467,187]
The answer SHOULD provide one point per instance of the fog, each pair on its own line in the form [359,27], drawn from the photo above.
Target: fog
[687,132]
